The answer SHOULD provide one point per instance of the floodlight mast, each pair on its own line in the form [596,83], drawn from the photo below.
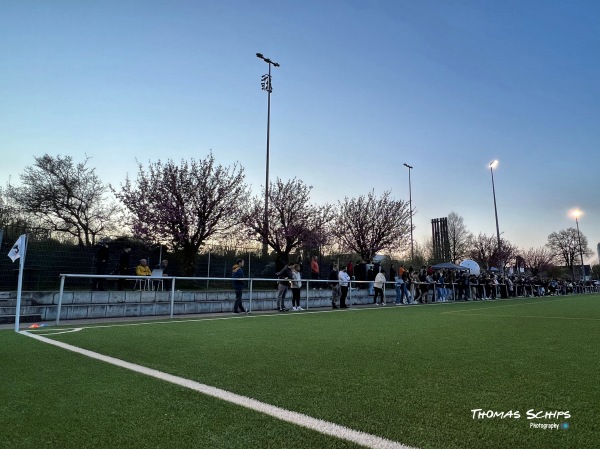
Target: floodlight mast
[577,213]
[267,86]
[412,246]
[493,165]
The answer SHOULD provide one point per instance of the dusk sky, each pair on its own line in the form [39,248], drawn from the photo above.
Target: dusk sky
[363,87]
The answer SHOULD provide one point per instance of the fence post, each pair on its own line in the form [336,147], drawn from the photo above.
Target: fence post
[208,273]
[250,289]
[60,297]
[173,296]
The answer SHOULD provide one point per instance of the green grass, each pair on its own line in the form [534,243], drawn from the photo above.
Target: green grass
[408,374]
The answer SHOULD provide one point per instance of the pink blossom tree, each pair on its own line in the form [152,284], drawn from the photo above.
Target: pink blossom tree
[185,205]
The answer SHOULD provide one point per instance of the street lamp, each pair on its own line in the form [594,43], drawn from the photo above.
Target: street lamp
[493,165]
[577,213]
[412,247]
[265,83]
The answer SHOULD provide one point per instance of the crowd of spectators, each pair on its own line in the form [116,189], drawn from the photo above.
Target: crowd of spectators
[430,285]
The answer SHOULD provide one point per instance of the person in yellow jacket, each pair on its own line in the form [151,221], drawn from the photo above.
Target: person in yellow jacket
[143,269]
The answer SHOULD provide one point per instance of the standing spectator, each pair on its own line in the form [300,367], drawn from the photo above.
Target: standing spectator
[410,286]
[315,272]
[401,270]
[360,273]
[402,289]
[237,273]
[350,269]
[285,278]
[371,279]
[378,286]
[101,265]
[300,264]
[334,284]
[344,281]
[407,282]
[430,283]
[393,273]
[423,285]
[124,267]
[441,290]
[296,284]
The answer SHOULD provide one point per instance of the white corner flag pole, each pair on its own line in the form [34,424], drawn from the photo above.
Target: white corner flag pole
[21,250]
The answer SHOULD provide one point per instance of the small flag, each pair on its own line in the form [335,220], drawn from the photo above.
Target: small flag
[17,248]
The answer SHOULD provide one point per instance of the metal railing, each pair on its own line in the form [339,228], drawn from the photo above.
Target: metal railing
[447,291]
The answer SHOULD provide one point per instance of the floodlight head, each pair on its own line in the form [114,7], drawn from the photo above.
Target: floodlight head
[276,64]
[577,213]
[494,164]
[260,55]
[407,166]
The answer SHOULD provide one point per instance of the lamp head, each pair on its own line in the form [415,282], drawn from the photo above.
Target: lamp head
[407,166]
[494,164]
[577,213]
[260,55]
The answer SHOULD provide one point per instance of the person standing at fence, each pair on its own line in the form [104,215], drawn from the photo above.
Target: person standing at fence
[378,287]
[101,265]
[401,289]
[285,279]
[344,278]
[237,273]
[315,271]
[296,284]
[334,284]
[371,279]
[423,287]
[124,267]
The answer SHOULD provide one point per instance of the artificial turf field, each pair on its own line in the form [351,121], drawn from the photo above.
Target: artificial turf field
[408,374]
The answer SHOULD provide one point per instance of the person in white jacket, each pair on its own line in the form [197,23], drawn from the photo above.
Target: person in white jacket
[296,284]
[378,286]
[344,278]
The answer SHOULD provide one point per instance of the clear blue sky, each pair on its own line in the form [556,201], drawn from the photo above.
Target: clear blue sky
[364,86]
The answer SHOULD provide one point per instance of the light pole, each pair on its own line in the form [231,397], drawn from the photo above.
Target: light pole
[265,83]
[412,247]
[577,213]
[493,165]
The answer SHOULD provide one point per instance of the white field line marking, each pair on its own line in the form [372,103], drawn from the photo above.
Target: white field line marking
[318,425]
[242,317]
[64,331]
[305,312]
[570,298]
[537,316]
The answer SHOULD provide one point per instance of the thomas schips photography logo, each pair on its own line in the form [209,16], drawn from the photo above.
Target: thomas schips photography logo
[533,416]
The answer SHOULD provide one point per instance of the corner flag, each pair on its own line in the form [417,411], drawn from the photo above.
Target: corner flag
[18,248]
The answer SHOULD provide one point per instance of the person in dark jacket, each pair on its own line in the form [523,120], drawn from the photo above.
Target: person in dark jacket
[124,267]
[237,273]
[285,281]
[101,265]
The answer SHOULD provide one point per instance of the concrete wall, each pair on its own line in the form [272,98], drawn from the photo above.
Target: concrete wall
[118,304]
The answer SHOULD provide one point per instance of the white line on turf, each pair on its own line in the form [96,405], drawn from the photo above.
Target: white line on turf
[535,316]
[63,331]
[243,317]
[520,304]
[318,425]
